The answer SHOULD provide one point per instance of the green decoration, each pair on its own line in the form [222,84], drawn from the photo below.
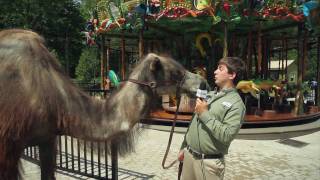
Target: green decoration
[114,78]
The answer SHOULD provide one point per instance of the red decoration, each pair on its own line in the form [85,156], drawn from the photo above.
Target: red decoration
[297,18]
[113,25]
[280,12]
[179,12]
[227,7]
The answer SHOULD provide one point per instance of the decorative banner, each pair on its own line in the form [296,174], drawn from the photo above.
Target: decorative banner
[168,4]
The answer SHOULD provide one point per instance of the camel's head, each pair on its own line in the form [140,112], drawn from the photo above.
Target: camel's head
[168,74]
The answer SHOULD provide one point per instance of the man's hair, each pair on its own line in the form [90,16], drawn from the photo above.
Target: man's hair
[234,65]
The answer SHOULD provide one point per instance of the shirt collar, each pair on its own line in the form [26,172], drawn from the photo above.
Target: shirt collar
[227,90]
[215,92]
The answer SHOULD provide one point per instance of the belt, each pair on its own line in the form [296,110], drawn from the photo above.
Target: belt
[204,156]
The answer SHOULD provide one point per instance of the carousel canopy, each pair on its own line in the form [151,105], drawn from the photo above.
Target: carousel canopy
[179,17]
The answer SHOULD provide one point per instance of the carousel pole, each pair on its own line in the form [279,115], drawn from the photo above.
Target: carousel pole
[283,58]
[286,58]
[269,45]
[141,43]
[231,51]
[123,63]
[305,53]
[279,64]
[103,60]
[265,57]
[259,49]
[141,48]
[249,55]
[225,41]
[318,75]
[108,56]
[298,104]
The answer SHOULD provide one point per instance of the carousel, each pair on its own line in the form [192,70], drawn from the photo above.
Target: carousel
[278,40]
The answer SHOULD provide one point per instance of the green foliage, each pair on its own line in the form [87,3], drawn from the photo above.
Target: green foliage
[311,72]
[88,67]
[59,22]
[86,8]
[292,54]
[311,62]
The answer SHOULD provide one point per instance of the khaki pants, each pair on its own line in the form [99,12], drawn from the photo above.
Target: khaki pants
[202,169]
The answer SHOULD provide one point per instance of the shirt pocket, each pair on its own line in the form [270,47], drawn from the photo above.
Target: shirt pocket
[219,111]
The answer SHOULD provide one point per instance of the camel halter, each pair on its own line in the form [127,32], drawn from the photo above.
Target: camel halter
[178,96]
[152,85]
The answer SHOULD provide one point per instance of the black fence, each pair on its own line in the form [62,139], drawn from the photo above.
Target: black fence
[81,157]
[77,157]
[87,158]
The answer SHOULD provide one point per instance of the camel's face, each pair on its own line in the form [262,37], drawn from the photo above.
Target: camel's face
[169,74]
[192,82]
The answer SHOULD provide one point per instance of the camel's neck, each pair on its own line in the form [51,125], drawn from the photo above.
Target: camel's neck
[117,114]
[125,109]
[81,115]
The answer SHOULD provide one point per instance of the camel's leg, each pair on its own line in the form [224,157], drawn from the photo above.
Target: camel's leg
[9,160]
[47,152]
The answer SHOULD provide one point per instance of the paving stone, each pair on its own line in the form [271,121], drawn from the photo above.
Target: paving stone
[247,159]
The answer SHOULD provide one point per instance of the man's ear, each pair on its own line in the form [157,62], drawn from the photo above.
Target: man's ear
[155,64]
[233,75]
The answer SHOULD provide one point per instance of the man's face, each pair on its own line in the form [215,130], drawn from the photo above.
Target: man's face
[222,77]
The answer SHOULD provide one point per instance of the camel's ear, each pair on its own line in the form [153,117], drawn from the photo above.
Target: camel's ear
[155,64]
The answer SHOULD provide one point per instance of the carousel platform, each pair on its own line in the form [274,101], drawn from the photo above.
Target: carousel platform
[264,119]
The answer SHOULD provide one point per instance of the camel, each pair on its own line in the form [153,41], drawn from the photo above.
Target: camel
[38,101]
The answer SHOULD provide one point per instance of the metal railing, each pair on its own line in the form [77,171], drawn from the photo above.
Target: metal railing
[87,158]
[81,157]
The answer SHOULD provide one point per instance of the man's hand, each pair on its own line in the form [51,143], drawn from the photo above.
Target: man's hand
[201,106]
[181,155]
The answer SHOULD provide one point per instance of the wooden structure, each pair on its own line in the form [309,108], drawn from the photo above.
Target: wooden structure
[161,116]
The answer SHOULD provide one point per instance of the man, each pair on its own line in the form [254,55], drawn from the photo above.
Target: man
[215,124]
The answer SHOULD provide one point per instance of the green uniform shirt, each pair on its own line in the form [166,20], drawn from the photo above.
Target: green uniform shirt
[212,131]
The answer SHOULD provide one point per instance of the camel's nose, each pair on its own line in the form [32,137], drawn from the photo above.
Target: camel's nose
[208,86]
[205,84]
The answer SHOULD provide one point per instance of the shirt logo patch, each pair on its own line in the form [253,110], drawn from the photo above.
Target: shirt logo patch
[226,104]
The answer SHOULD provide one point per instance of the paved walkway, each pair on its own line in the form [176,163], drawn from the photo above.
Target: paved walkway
[277,158]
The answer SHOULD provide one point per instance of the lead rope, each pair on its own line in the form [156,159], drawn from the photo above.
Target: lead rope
[178,96]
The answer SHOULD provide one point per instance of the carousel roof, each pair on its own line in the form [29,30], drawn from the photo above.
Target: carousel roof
[195,16]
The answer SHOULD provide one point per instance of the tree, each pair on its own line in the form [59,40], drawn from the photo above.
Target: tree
[86,8]
[59,22]
[89,66]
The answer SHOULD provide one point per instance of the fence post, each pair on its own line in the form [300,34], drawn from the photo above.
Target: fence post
[114,159]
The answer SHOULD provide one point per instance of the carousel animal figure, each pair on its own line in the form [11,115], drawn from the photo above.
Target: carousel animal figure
[38,101]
